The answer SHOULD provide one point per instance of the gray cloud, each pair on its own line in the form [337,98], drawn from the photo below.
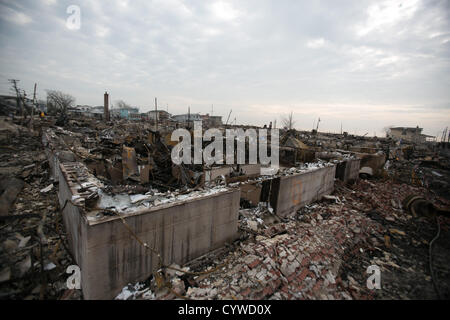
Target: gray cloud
[366,64]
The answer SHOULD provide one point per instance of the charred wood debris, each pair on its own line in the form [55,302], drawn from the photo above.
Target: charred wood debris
[396,217]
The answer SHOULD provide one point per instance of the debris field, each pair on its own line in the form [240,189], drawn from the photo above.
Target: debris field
[392,213]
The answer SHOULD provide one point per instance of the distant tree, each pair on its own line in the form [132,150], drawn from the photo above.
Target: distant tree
[288,121]
[58,102]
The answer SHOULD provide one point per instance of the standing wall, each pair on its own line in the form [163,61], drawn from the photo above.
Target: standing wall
[110,258]
[290,193]
[348,170]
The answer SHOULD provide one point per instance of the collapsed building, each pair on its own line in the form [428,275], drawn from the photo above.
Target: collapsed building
[180,212]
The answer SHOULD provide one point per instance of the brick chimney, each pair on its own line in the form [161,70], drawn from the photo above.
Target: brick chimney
[106,104]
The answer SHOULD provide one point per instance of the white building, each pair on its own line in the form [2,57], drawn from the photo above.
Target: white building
[187,117]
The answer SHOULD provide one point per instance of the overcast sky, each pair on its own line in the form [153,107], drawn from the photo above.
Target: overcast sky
[365,64]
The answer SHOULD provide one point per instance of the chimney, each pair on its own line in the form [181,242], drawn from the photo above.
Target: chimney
[106,106]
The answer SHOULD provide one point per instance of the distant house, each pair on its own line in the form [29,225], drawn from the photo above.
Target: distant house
[97,112]
[126,113]
[12,100]
[215,121]
[8,104]
[187,117]
[212,121]
[84,108]
[161,114]
[134,115]
[80,110]
[408,134]
[41,106]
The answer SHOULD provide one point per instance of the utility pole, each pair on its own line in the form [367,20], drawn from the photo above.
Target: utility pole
[14,84]
[23,98]
[34,93]
[228,117]
[33,106]
[444,134]
[167,119]
[212,109]
[156,114]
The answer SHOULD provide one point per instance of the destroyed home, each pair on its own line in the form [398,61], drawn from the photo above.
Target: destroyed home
[118,202]
[211,121]
[408,134]
[188,117]
[126,112]
[158,115]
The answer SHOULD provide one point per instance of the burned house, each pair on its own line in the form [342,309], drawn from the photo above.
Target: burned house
[408,134]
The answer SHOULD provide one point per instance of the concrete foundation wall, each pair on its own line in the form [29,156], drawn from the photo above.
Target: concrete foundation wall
[290,193]
[250,170]
[74,223]
[110,258]
[348,170]
[363,150]
[374,161]
[251,192]
[179,233]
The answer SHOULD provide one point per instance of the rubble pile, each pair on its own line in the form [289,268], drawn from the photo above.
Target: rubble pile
[431,174]
[324,251]
[33,250]
[126,154]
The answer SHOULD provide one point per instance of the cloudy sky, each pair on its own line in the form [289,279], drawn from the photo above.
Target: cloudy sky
[363,64]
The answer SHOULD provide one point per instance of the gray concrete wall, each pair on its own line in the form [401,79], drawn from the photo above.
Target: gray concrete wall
[348,170]
[290,193]
[251,192]
[110,258]
[374,161]
[180,233]
[251,170]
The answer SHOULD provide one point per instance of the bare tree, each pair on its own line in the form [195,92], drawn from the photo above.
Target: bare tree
[288,122]
[59,101]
